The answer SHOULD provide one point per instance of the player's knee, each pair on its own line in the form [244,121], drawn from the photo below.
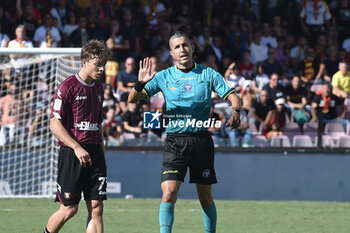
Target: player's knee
[97,209]
[70,211]
[205,199]
[169,196]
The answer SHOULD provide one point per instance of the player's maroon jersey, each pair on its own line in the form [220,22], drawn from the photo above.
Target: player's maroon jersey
[79,107]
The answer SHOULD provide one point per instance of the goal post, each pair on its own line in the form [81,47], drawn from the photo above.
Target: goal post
[28,151]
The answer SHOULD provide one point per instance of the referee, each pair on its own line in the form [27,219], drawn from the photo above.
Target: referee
[187,88]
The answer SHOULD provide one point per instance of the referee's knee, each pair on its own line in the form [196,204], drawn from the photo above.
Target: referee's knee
[169,196]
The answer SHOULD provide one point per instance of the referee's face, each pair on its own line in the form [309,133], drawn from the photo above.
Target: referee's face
[181,51]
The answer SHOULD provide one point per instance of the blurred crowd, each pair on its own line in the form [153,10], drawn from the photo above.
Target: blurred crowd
[288,60]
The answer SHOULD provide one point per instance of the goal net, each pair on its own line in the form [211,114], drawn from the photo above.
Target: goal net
[28,151]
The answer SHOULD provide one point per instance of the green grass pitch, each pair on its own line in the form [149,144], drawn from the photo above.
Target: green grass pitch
[141,216]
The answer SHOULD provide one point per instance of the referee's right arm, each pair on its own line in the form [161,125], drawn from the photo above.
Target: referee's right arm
[145,75]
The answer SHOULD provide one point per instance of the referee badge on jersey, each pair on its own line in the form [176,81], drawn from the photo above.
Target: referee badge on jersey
[151,120]
[206,173]
[188,87]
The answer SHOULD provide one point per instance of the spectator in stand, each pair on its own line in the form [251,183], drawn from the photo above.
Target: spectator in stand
[131,30]
[275,89]
[282,53]
[5,20]
[98,18]
[258,51]
[296,94]
[12,108]
[154,12]
[246,68]
[267,38]
[132,120]
[4,38]
[237,38]
[28,8]
[109,100]
[118,43]
[112,129]
[271,65]
[233,77]
[309,67]
[203,40]
[346,45]
[60,11]
[47,36]
[341,81]
[126,81]
[297,53]
[260,108]
[342,19]
[275,120]
[19,42]
[217,49]
[329,66]
[81,35]
[38,129]
[260,79]
[325,105]
[278,30]
[321,46]
[315,17]
[26,18]
[68,28]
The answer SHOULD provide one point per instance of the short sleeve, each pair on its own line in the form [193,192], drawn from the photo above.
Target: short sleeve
[61,102]
[152,87]
[220,85]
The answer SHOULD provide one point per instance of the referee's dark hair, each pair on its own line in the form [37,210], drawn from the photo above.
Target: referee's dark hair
[178,34]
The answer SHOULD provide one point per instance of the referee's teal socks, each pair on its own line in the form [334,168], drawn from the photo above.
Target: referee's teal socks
[166,217]
[209,218]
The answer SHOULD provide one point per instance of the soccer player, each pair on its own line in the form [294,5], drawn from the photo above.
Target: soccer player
[76,120]
[187,88]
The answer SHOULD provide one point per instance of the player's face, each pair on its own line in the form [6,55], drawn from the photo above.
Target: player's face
[181,51]
[94,68]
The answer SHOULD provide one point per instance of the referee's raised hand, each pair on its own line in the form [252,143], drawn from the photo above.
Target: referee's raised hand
[145,70]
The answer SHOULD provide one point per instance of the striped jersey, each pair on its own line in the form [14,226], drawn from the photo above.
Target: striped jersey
[79,107]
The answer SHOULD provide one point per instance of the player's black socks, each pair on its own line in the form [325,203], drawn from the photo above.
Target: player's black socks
[46,231]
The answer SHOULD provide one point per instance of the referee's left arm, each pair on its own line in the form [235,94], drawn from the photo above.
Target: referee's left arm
[234,120]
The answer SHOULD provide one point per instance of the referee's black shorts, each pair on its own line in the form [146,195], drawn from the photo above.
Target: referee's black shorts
[195,151]
[73,179]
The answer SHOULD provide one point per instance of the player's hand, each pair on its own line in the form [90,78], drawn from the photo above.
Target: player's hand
[234,121]
[83,156]
[145,70]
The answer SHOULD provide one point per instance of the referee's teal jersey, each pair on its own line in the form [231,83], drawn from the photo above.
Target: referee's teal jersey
[187,96]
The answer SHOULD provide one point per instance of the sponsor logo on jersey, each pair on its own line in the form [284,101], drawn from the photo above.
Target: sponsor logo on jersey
[170,172]
[87,126]
[57,105]
[188,87]
[81,98]
[172,88]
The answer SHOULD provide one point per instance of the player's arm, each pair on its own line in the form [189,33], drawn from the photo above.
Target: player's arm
[234,120]
[102,143]
[58,129]
[145,75]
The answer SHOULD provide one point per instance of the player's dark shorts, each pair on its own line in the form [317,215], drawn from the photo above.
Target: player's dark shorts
[195,151]
[73,178]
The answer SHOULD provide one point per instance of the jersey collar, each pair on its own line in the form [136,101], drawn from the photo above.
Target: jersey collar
[83,82]
[194,67]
